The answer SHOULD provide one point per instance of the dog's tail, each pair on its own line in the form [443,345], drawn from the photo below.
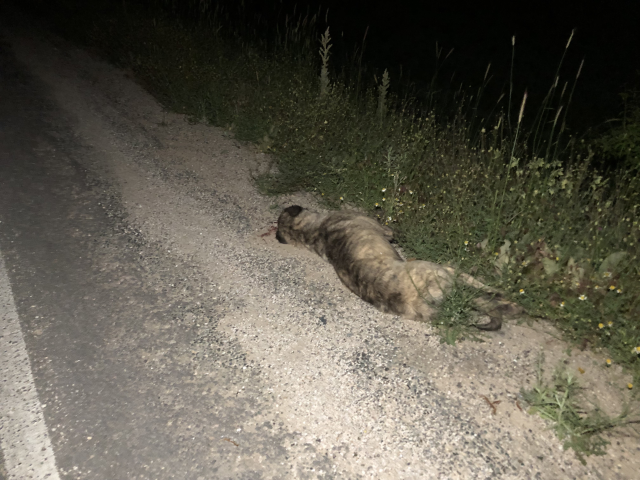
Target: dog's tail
[496,307]
[491,303]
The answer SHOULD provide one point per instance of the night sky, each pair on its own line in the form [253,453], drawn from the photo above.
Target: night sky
[404,32]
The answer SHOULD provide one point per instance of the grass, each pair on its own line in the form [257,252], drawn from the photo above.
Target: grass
[500,188]
[456,318]
[559,401]
[622,142]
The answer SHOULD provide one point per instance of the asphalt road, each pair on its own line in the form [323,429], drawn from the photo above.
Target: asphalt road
[93,322]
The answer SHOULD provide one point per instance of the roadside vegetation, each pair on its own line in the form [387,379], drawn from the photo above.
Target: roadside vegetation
[499,187]
[561,400]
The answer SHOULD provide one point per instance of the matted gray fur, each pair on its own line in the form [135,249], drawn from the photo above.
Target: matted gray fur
[358,248]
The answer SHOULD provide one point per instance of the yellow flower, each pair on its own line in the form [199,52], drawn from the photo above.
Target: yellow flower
[341,199]
[612,287]
[384,190]
[377,204]
[522,291]
[629,386]
[609,323]
[582,297]
[601,325]
[561,304]
[383,199]
[619,290]
[637,350]
[608,361]
[607,274]
[466,242]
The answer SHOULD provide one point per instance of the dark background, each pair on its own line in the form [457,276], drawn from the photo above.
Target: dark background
[404,32]
[402,36]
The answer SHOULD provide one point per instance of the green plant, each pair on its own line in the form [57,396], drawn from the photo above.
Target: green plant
[623,141]
[325,46]
[456,319]
[560,402]
[383,90]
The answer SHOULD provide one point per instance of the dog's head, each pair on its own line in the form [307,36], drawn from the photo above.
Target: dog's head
[287,223]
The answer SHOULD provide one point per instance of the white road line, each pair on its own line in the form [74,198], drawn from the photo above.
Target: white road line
[23,434]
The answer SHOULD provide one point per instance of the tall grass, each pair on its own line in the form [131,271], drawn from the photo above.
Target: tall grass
[515,202]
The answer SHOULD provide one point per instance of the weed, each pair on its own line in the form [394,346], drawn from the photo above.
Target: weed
[325,46]
[456,318]
[382,95]
[560,402]
[623,141]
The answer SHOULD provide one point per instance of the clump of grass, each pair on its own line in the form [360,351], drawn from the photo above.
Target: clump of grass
[325,46]
[456,318]
[560,401]
[622,142]
[383,90]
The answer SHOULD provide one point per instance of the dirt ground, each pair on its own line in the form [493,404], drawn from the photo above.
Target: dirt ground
[348,392]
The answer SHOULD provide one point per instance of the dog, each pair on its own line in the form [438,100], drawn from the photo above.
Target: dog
[360,251]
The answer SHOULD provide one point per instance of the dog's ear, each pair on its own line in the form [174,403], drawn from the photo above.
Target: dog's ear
[294,210]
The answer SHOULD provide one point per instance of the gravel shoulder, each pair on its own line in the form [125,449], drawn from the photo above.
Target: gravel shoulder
[242,358]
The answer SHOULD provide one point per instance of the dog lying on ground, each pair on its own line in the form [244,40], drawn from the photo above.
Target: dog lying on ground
[358,248]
